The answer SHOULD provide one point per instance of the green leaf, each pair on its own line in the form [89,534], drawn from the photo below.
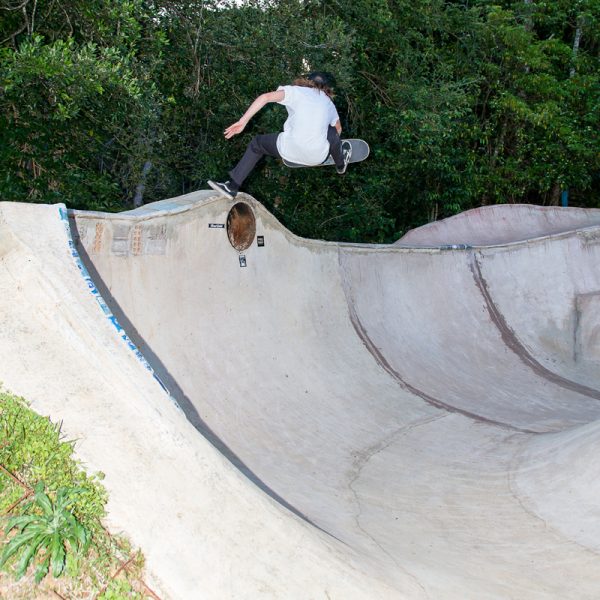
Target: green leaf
[42,500]
[68,517]
[82,536]
[27,555]
[42,570]
[19,522]
[15,543]
[57,555]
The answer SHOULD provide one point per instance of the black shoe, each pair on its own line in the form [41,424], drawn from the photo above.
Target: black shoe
[227,189]
[347,153]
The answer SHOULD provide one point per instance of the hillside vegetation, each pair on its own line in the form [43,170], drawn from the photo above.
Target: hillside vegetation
[109,103]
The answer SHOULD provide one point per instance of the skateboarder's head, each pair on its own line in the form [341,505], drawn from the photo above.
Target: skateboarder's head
[320,80]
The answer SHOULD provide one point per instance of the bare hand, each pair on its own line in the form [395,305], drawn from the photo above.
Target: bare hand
[234,129]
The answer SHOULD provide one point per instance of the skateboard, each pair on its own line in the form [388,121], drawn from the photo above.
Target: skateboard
[360,151]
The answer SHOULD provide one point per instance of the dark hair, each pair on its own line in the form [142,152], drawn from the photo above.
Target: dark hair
[319,80]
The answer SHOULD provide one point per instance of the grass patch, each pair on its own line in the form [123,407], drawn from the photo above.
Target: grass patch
[51,515]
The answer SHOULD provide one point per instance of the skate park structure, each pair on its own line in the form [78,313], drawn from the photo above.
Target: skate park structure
[307,419]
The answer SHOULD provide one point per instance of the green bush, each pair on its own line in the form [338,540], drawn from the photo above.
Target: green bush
[51,530]
[52,512]
[33,447]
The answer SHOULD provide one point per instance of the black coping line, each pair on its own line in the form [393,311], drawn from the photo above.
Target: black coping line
[512,342]
[383,362]
[171,386]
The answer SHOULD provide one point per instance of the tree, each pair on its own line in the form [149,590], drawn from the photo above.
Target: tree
[463,103]
[77,103]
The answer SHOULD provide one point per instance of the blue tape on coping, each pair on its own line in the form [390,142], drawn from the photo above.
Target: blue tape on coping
[64,216]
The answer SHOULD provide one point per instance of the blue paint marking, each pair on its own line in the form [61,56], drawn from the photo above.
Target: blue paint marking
[64,216]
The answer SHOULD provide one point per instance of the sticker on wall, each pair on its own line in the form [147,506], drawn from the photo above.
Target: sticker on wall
[242,260]
[260,240]
[216,225]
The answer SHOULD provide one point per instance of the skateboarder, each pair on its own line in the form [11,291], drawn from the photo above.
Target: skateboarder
[311,132]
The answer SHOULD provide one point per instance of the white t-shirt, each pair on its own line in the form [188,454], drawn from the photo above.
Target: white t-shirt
[304,136]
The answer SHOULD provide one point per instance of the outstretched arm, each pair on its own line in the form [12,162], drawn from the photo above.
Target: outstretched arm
[263,99]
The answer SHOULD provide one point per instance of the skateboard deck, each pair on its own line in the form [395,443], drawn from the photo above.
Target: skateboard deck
[360,151]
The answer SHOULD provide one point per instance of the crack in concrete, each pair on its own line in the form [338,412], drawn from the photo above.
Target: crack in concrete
[361,462]
[511,474]
[366,455]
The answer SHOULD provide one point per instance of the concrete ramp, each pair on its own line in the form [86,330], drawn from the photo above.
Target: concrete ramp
[342,421]
[501,224]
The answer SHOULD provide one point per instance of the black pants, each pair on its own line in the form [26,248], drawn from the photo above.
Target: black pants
[266,145]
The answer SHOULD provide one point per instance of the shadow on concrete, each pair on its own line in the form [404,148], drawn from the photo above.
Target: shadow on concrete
[173,388]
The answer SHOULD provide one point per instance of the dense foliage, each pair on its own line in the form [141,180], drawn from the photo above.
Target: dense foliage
[104,103]
[51,515]
[32,448]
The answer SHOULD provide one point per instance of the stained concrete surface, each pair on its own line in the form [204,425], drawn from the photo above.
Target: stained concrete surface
[344,421]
